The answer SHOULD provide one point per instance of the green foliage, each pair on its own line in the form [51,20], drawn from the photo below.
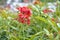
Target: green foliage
[41,27]
[48,0]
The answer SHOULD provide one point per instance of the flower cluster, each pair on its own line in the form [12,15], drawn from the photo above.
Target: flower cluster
[24,15]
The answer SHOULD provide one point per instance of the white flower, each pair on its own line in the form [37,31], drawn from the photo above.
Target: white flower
[52,7]
[8,2]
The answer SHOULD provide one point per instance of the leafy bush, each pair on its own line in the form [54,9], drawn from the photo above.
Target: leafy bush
[42,26]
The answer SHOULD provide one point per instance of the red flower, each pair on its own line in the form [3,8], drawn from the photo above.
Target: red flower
[28,21]
[53,19]
[46,11]
[22,21]
[24,15]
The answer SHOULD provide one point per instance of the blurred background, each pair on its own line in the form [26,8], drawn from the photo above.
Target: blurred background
[3,2]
